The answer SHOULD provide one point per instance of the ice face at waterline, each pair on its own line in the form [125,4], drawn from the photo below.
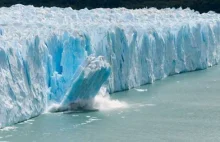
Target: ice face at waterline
[85,84]
[45,52]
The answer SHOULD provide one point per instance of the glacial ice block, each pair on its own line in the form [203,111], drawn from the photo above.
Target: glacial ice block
[85,83]
[42,51]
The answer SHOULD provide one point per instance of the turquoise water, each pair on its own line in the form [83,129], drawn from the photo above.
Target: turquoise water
[184,107]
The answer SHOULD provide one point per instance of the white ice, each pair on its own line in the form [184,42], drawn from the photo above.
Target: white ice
[42,50]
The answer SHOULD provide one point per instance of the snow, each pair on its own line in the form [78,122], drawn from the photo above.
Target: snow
[44,51]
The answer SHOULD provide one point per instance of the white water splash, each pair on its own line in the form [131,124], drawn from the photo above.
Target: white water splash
[52,108]
[103,102]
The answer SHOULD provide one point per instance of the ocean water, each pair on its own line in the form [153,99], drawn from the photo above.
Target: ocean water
[183,107]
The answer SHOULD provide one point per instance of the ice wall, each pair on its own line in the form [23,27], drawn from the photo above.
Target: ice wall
[44,52]
[84,85]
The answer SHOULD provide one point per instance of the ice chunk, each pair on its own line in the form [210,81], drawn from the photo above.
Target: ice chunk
[85,83]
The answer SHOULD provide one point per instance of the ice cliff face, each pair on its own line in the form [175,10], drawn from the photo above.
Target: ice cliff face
[84,84]
[63,55]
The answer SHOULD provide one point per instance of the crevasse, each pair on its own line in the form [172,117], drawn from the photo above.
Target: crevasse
[55,55]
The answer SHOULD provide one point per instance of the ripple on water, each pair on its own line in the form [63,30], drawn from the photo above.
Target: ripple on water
[90,120]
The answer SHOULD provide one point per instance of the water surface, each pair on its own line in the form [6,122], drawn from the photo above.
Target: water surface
[183,107]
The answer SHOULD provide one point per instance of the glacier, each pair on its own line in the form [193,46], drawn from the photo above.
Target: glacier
[84,86]
[60,55]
